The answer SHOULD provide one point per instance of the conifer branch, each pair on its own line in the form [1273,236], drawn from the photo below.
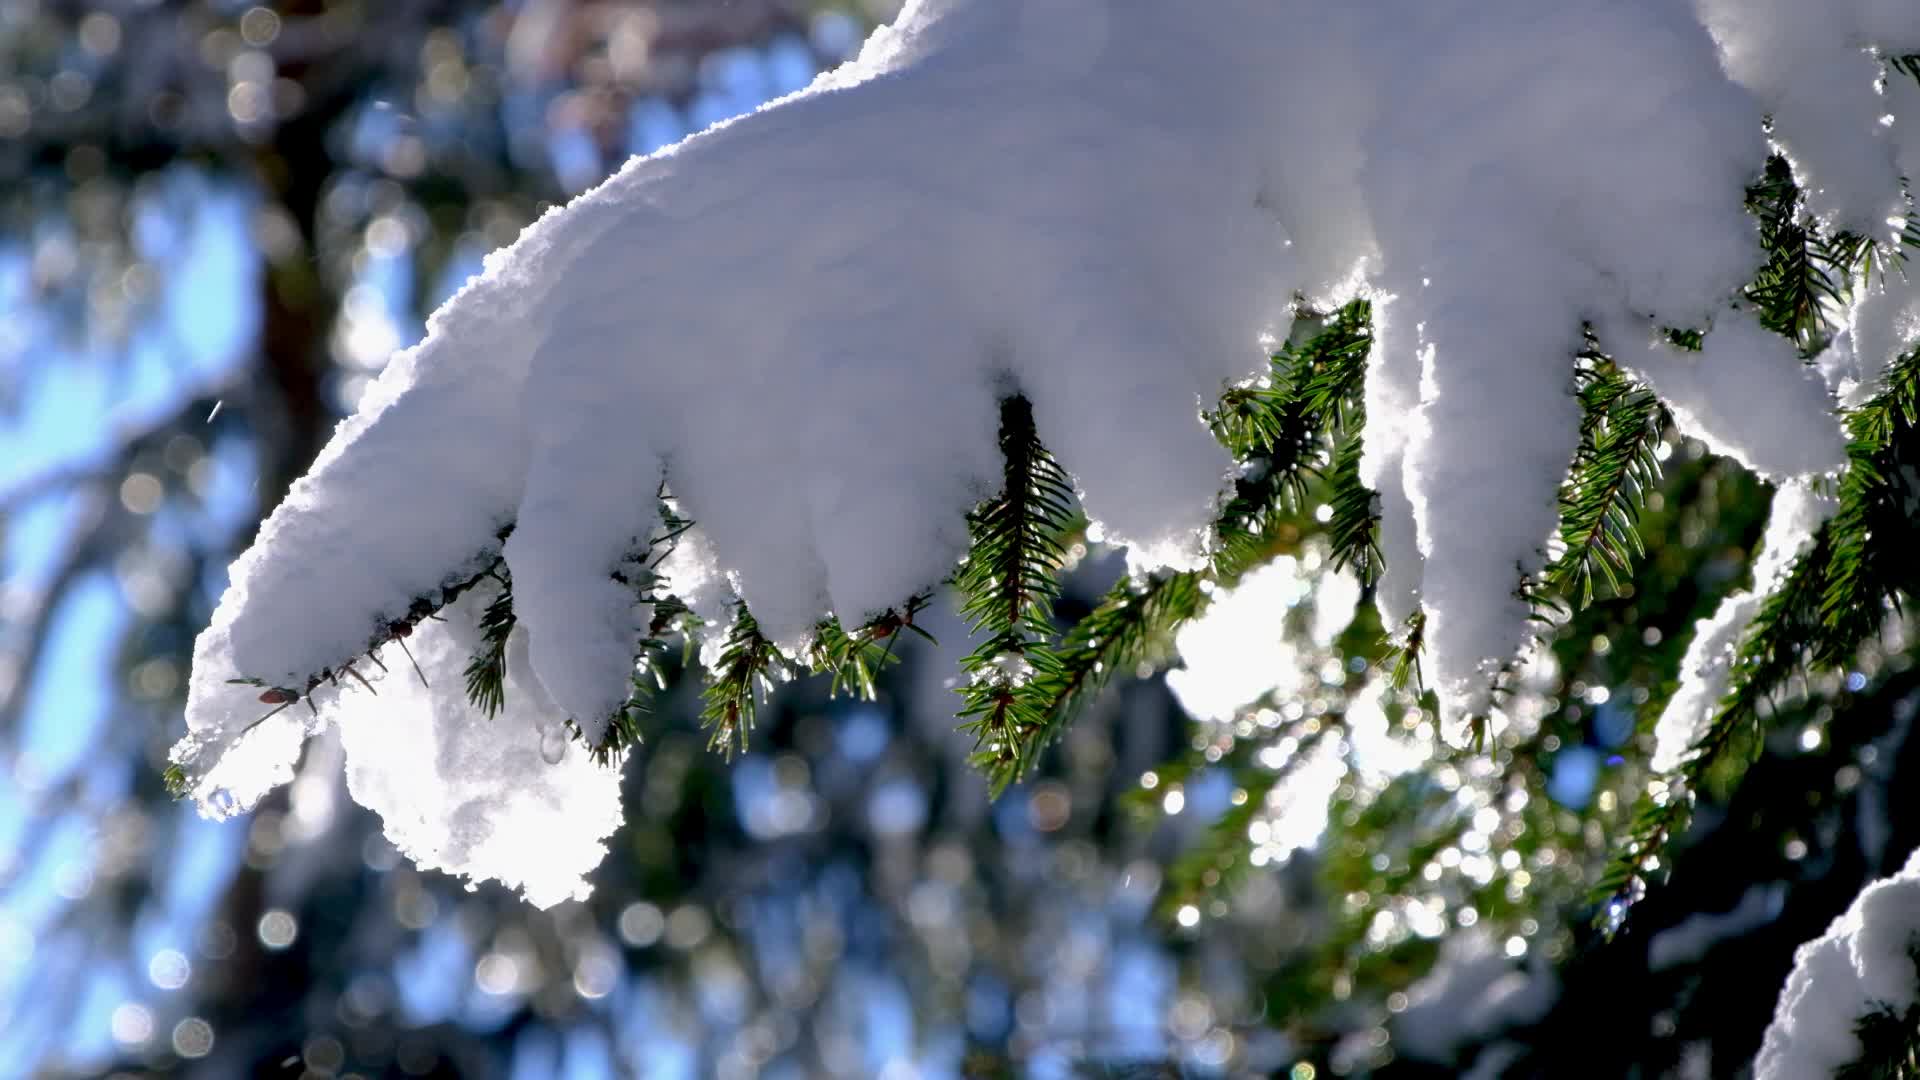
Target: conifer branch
[487,670]
[1132,625]
[1908,65]
[1613,470]
[1405,653]
[853,659]
[1334,366]
[749,667]
[1353,530]
[1889,1040]
[1313,392]
[1807,276]
[1008,584]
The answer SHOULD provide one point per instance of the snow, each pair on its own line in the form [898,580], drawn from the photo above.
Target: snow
[1778,425]
[1810,66]
[803,318]
[1799,509]
[476,796]
[1883,324]
[1864,961]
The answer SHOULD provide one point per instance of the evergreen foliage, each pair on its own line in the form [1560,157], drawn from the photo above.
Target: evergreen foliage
[1808,273]
[1008,585]
[1616,466]
[1279,431]
[1833,601]
[1354,528]
[748,668]
[1132,626]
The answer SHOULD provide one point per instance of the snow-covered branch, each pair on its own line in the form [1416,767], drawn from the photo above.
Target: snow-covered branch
[806,320]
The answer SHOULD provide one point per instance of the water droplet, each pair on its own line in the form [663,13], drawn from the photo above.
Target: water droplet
[553,744]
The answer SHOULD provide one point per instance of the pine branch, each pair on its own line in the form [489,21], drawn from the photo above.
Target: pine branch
[854,659]
[1889,1045]
[1405,653]
[1009,583]
[487,670]
[1253,418]
[1306,392]
[1314,391]
[1353,530]
[1865,573]
[638,570]
[1133,624]
[626,729]
[748,668]
[1807,274]
[1607,485]
[1335,366]
[1908,65]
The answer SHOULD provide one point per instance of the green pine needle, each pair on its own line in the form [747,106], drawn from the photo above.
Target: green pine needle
[749,667]
[1808,275]
[1313,395]
[1614,469]
[1008,586]
[1354,528]
[1132,625]
[487,669]
[1404,654]
[853,660]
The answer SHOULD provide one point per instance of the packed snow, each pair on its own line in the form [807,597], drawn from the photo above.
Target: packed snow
[510,798]
[1865,961]
[803,320]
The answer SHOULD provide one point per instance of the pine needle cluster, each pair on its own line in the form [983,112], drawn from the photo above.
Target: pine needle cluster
[1008,586]
[1616,466]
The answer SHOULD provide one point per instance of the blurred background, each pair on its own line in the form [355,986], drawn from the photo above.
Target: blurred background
[217,221]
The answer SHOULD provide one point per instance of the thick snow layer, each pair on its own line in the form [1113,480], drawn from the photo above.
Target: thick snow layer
[1811,66]
[1746,394]
[804,318]
[1799,509]
[1883,325]
[509,798]
[1864,961]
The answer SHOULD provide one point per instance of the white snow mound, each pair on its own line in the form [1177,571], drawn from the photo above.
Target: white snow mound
[1864,961]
